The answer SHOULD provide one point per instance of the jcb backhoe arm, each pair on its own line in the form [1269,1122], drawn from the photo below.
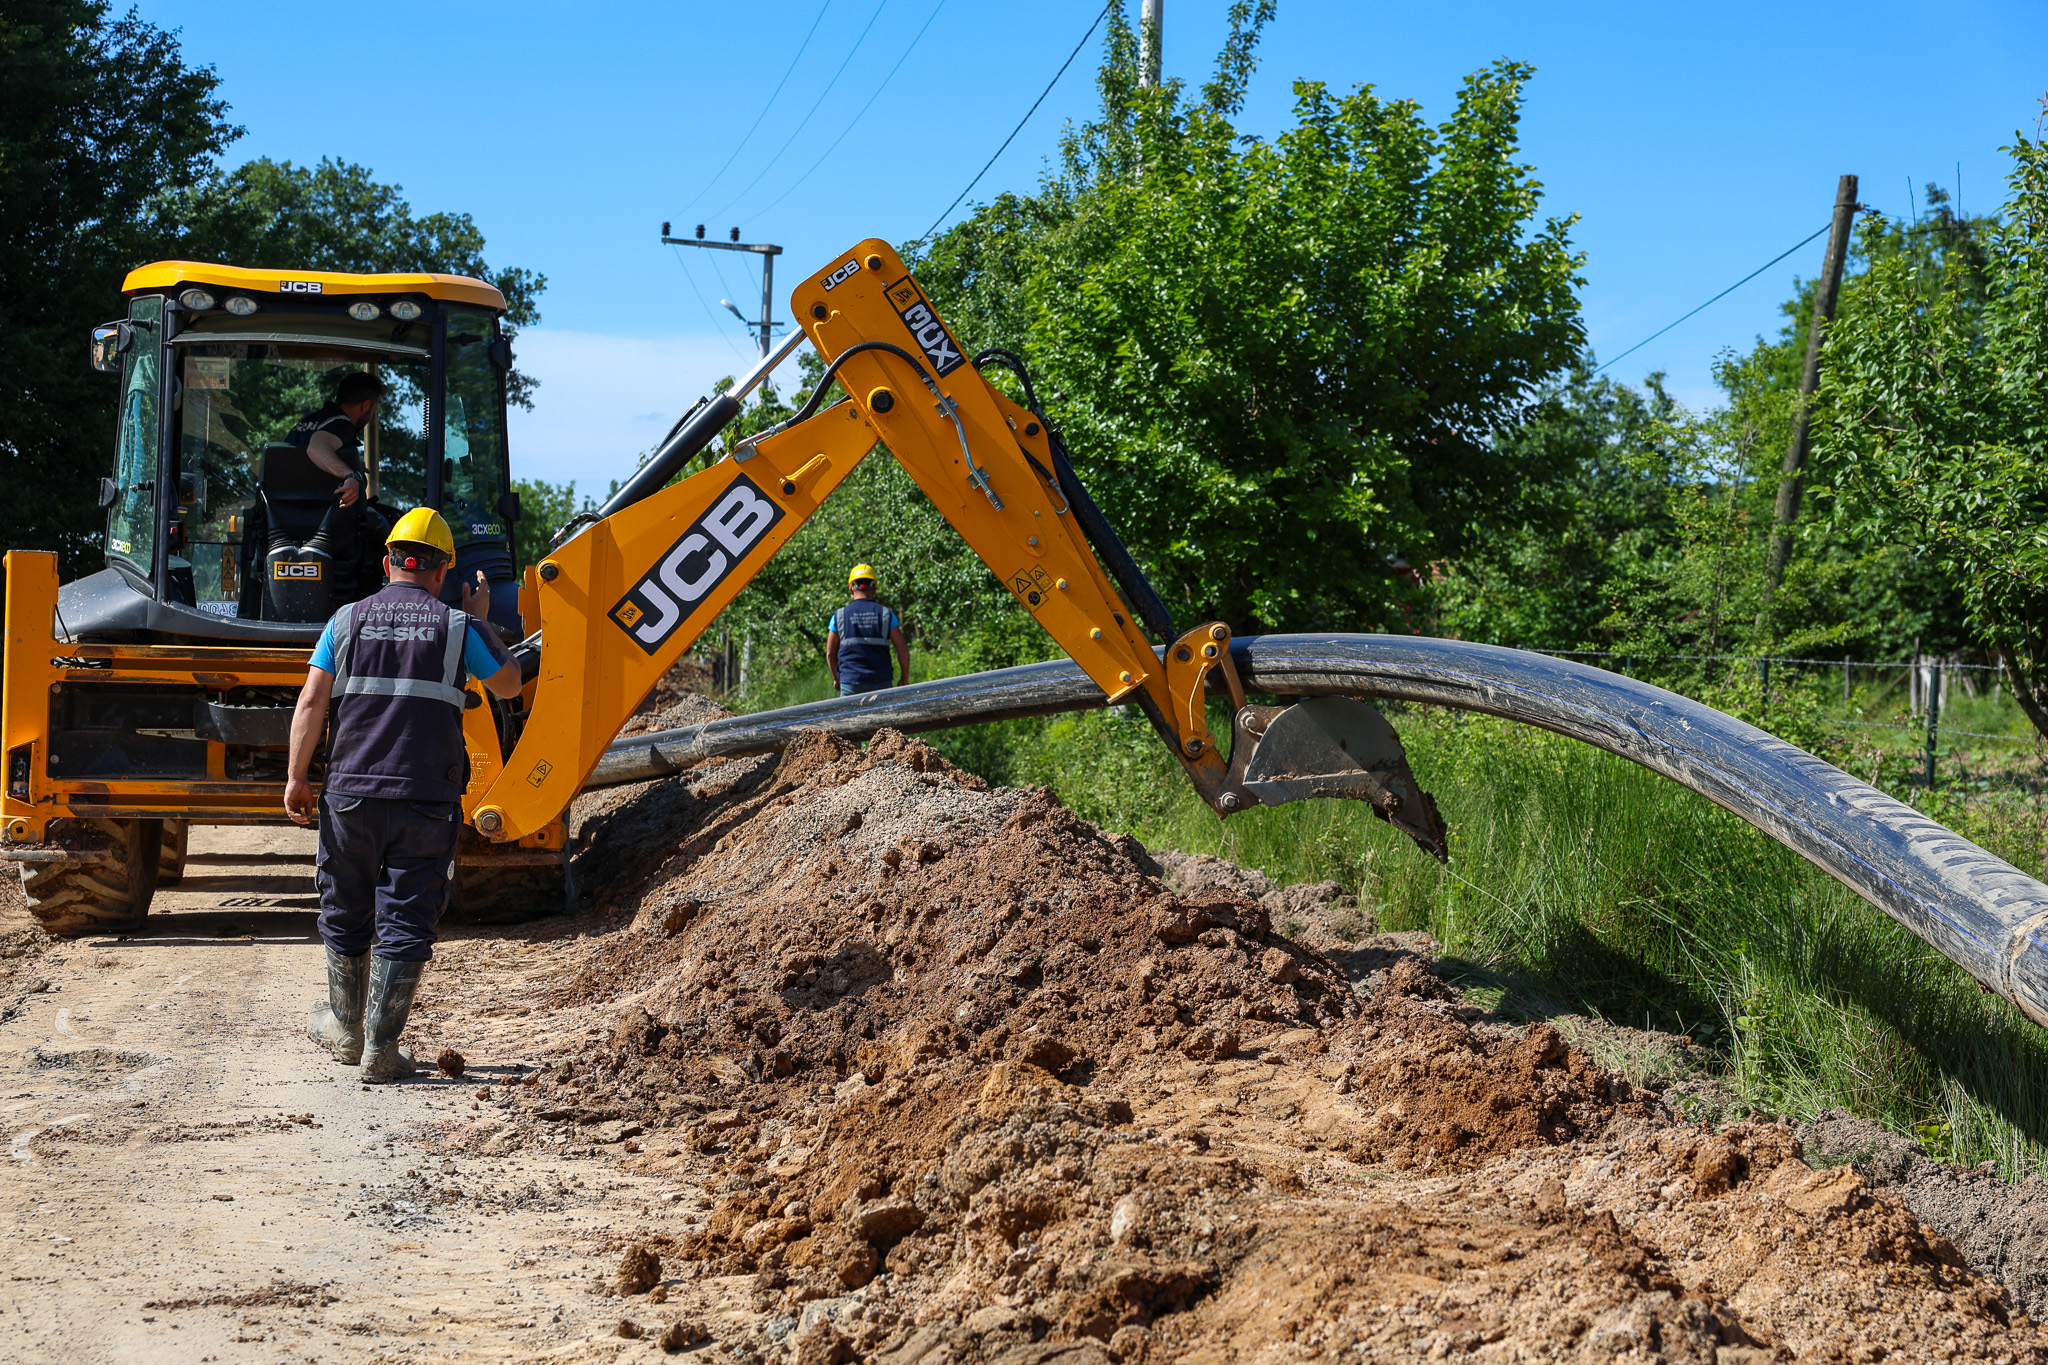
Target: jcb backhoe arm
[621,602]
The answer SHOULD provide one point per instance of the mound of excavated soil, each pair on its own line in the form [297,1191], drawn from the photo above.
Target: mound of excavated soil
[964,1079]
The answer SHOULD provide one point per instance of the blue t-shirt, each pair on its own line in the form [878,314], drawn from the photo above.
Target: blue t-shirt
[832,625]
[479,657]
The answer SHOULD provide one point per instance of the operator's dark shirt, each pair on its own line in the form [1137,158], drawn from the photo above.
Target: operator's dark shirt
[334,421]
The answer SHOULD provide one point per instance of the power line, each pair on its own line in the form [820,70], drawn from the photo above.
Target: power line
[1026,119]
[850,123]
[805,121]
[717,326]
[1718,297]
[764,109]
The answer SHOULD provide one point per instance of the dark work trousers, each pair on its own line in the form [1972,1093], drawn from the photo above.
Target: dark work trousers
[383,873]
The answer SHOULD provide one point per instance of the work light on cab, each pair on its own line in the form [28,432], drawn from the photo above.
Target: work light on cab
[362,310]
[198,300]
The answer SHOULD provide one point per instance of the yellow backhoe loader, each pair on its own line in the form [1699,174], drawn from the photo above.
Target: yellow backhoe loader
[157,693]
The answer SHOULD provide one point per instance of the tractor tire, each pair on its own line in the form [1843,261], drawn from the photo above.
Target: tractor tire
[483,894]
[70,899]
[170,862]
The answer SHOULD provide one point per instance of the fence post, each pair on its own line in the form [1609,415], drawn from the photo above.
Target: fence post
[1846,666]
[1933,717]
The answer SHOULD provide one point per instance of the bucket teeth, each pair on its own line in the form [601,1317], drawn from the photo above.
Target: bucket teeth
[1339,746]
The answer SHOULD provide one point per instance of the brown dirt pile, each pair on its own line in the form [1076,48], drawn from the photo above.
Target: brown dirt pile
[961,1079]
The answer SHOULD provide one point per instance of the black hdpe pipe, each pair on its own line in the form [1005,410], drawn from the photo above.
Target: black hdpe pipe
[1980,911]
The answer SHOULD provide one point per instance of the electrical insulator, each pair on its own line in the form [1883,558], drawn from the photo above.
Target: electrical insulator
[664,228]
[735,234]
[700,232]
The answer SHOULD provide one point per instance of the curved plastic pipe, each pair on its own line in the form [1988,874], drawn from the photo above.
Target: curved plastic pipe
[1980,911]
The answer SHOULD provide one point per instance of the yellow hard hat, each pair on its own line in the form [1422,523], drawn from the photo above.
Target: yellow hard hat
[858,572]
[423,526]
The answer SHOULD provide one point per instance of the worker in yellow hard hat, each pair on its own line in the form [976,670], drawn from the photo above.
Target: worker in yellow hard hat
[392,668]
[858,638]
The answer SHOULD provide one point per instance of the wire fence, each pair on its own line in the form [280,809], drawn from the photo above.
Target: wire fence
[1927,698]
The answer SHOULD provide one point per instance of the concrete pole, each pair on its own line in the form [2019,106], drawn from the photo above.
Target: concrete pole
[767,302]
[1151,18]
[1792,484]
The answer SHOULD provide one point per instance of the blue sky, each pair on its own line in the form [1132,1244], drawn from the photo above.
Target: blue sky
[1695,143]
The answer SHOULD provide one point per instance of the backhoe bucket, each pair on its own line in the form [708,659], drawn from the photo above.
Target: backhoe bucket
[1338,746]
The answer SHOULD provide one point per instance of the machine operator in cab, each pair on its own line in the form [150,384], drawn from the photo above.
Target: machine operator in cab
[332,435]
[386,684]
[858,640]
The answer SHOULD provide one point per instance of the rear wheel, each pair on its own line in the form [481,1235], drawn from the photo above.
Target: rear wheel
[108,895]
[170,862]
[484,893]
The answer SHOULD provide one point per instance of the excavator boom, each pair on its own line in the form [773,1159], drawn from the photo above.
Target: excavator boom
[622,600]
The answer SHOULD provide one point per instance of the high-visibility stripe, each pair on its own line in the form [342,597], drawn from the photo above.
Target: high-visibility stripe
[344,640]
[404,687]
[458,639]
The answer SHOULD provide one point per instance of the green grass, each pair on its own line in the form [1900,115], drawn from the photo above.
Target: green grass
[1581,883]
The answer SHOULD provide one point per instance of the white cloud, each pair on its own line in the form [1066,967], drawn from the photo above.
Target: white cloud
[605,399]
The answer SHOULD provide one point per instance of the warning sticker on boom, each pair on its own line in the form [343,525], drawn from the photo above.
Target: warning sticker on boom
[1033,585]
[932,337]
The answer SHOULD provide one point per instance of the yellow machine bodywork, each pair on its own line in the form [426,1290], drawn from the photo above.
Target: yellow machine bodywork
[170,275]
[621,602]
[614,607]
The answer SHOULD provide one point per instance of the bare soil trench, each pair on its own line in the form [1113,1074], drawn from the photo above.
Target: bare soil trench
[847,1057]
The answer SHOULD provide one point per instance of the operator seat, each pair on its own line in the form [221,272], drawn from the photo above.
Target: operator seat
[311,539]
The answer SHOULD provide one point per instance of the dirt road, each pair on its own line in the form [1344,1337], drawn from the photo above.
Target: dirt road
[187,1178]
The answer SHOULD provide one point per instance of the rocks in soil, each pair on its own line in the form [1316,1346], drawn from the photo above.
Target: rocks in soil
[450,1063]
[639,1270]
[682,1334]
[1073,1100]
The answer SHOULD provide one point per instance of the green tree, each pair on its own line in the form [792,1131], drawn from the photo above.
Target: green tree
[1546,580]
[335,216]
[1934,433]
[1280,364]
[98,116]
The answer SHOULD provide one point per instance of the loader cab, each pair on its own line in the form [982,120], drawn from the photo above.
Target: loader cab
[217,366]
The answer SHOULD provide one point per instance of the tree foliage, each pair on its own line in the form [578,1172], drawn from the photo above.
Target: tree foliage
[1280,364]
[1935,433]
[335,216]
[98,116]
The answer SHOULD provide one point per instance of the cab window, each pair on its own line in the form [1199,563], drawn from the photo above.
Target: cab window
[474,434]
[131,518]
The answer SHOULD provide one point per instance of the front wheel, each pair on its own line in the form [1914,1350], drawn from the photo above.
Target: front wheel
[110,893]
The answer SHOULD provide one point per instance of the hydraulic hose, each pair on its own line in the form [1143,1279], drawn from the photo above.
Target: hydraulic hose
[1977,909]
[1095,527]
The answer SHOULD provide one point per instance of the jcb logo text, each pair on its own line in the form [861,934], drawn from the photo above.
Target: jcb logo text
[685,575]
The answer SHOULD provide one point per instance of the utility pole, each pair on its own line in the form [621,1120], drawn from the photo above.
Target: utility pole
[762,330]
[1792,486]
[1151,16]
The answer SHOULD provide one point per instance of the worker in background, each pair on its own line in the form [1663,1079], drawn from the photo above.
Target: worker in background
[858,640]
[393,666]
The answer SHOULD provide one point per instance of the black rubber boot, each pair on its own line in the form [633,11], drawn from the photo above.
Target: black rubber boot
[338,1024]
[392,985]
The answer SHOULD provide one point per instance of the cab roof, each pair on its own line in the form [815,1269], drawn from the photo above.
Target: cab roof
[168,276]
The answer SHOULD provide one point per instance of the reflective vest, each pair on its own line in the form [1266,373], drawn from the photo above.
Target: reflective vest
[863,628]
[395,730]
